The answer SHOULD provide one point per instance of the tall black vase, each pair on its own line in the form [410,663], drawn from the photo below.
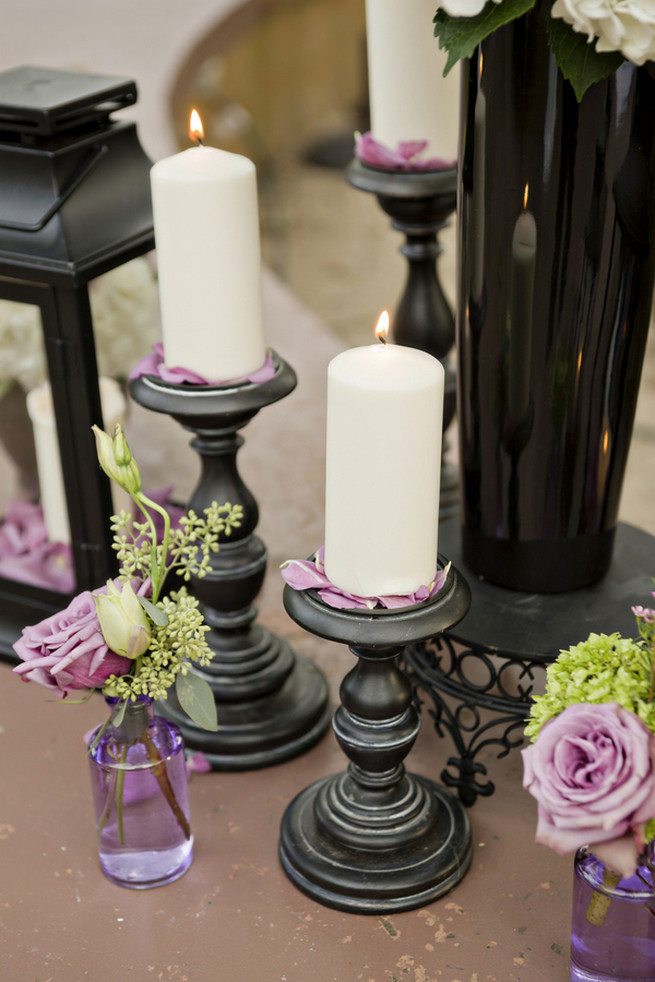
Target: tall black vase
[556,224]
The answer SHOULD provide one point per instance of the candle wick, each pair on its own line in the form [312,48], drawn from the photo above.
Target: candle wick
[383,339]
[199,141]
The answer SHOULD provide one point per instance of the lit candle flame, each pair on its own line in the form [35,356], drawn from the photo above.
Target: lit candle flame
[382,327]
[525,197]
[196,131]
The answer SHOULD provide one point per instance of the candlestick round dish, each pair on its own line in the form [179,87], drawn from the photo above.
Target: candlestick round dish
[183,401]
[400,183]
[382,626]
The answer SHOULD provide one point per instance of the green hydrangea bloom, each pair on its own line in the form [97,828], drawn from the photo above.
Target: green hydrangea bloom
[604,668]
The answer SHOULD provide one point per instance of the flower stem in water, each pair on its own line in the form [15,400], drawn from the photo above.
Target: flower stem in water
[600,902]
[161,774]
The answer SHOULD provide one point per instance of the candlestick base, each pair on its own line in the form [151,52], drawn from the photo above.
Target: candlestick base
[374,838]
[271,704]
[419,204]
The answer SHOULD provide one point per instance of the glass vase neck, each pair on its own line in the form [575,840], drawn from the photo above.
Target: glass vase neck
[135,719]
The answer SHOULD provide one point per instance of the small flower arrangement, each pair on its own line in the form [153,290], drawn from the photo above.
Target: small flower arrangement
[128,638]
[589,38]
[591,766]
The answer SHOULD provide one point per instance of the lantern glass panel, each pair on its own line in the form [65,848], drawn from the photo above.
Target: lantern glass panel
[31,552]
[35,530]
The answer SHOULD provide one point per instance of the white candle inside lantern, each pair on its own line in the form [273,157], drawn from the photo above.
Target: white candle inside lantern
[383,458]
[409,97]
[48,459]
[206,223]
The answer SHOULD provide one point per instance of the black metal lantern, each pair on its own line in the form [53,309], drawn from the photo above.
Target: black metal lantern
[74,204]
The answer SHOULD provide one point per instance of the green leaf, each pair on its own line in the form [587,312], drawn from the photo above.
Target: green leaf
[578,61]
[156,615]
[461,35]
[197,700]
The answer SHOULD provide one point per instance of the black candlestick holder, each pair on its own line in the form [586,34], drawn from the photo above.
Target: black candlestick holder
[271,703]
[376,839]
[419,204]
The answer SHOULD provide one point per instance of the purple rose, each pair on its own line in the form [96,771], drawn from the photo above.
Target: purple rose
[67,650]
[592,771]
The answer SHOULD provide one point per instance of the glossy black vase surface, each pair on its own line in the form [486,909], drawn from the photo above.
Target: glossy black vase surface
[556,225]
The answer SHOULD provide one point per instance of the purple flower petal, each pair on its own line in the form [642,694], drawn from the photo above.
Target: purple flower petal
[344,601]
[644,612]
[153,364]
[411,148]
[306,574]
[197,763]
[392,602]
[405,157]
[301,574]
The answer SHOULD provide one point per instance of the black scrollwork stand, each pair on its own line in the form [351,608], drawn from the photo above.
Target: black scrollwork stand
[419,204]
[374,838]
[480,676]
[272,704]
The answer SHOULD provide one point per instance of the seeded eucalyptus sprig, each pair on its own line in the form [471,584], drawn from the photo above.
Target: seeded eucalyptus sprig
[163,634]
[189,547]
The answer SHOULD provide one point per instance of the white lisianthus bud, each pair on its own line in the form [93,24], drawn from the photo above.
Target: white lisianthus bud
[123,621]
[627,26]
[116,460]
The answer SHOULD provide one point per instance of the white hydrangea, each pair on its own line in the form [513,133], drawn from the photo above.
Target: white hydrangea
[123,308]
[22,356]
[464,8]
[627,26]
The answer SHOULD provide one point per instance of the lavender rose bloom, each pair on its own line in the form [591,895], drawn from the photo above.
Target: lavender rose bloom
[67,650]
[592,771]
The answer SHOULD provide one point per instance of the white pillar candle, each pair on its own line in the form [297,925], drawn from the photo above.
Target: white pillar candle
[206,223]
[383,457]
[51,481]
[409,97]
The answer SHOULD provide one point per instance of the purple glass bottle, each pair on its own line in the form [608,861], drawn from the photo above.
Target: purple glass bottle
[140,796]
[613,926]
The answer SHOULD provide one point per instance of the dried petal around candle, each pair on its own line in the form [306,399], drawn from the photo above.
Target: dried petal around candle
[406,155]
[309,574]
[153,364]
